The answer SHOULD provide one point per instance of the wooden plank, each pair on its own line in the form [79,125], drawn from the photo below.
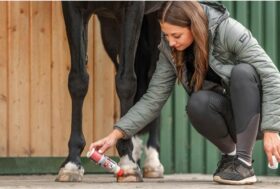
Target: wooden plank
[3,78]
[103,89]
[242,12]
[88,103]
[117,113]
[40,78]
[61,101]
[109,92]
[19,79]
[256,26]
[270,45]
[197,159]
[230,6]
[166,137]
[256,20]
[212,157]
[259,157]
[271,30]
[180,130]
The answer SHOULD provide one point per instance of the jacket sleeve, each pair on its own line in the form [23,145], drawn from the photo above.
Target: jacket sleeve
[239,41]
[151,103]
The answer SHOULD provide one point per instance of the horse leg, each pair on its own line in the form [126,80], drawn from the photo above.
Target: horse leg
[76,26]
[147,56]
[110,34]
[111,40]
[126,84]
[152,165]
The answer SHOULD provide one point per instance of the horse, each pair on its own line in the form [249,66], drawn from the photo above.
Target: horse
[130,34]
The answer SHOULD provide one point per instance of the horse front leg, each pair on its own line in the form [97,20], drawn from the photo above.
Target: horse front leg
[126,84]
[111,38]
[153,168]
[76,26]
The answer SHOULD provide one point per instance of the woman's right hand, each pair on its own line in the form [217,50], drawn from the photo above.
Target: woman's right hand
[107,142]
[271,142]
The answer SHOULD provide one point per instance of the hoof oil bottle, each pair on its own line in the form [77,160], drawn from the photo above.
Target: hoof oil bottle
[105,162]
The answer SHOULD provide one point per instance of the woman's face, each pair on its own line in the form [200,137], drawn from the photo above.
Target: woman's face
[178,37]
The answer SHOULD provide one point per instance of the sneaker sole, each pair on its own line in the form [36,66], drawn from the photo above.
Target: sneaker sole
[249,180]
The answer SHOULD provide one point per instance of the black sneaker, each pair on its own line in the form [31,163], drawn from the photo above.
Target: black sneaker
[225,161]
[236,172]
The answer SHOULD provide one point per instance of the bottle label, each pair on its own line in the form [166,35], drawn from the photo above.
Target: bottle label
[108,164]
[105,162]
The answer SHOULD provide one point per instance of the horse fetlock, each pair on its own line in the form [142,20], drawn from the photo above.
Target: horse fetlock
[126,163]
[152,165]
[152,157]
[132,172]
[137,148]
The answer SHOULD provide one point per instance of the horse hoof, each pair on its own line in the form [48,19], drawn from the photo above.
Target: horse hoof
[131,176]
[153,172]
[66,175]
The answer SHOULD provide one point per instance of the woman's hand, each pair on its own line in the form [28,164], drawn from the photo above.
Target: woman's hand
[107,142]
[271,144]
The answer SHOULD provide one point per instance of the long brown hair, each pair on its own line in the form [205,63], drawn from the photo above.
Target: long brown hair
[189,14]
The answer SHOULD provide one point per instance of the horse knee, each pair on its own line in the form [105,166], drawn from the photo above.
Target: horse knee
[78,85]
[126,86]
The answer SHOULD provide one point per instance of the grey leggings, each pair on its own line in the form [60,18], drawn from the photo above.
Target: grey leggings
[233,119]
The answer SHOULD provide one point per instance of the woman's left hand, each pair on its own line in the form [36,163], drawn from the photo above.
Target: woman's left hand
[107,142]
[271,144]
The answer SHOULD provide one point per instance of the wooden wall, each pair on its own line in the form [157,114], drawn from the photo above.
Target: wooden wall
[35,104]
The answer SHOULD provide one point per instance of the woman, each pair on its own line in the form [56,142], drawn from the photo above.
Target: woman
[233,87]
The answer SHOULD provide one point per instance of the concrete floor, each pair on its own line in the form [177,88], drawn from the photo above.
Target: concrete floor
[107,181]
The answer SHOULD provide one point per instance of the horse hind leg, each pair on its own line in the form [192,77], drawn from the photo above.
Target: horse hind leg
[152,165]
[153,168]
[137,148]
[110,34]
[147,55]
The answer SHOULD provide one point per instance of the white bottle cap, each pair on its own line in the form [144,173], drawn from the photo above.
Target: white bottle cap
[275,163]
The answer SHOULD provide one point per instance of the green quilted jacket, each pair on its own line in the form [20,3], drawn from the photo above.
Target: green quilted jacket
[230,43]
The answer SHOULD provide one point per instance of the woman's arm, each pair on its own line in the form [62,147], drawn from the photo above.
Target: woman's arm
[151,103]
[104,144]
[146,109]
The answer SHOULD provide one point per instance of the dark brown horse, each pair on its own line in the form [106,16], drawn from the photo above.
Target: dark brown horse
[130,34]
